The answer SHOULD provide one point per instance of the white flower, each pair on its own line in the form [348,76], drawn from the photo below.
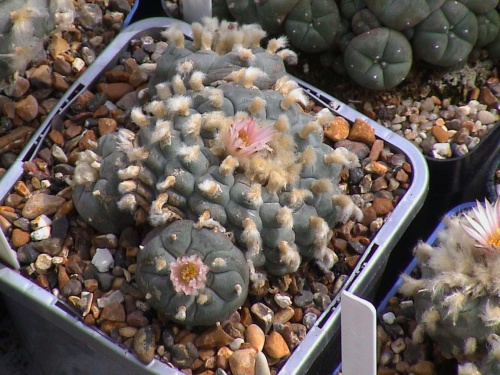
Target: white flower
[484,226]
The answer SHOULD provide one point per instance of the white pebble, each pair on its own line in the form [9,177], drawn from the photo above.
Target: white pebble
[40,234]
[389,318]
[236,343]
[261,365]
[442,149]
[40,222]
[282,300]
[115,296]
[58,153]
[486,117]
[103,260]
[77,65]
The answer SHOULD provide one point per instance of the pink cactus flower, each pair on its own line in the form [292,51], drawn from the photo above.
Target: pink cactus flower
[188,274]
[246,137]
[485,226]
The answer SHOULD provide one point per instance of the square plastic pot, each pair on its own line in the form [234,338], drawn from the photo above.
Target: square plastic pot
[57,338]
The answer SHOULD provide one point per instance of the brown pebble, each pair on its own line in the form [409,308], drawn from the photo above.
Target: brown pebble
[56,137]
[59,82]
[20,237]
[275,346]
[115,91]
[87,141]
[352,260]
[137,319]
[42,281]
[242,362]
[297,315]
[62,276]
[213,338]
[57,46]
[106,125]
[27,108]
[41,203]
[41,77]
[102,111]
[382,206]
[284,315]
[255,336]
[376,149]
[361,131]
[61,66]
[91,285]
[488,98]
[337,129]
[144,344]
[115,76]
[440,134]
[401,176]
[114,312]
[423,368]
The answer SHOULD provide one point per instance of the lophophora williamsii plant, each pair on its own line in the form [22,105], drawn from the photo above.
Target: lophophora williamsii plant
[457,298]
[376,41]
[224,152]
[24,26]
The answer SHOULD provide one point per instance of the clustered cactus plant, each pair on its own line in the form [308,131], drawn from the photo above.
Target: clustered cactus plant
[456,299]
[224,144]
[24,25]
[377,40]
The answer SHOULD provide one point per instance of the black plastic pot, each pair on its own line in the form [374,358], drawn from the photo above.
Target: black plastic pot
[457,179]
[491,180]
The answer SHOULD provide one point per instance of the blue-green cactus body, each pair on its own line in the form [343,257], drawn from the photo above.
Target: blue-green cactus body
[401,14]
[480,6]
[348,8]
[227,277]
[488,27]
[363,21]
[378,59]
[312,25]
[447,36]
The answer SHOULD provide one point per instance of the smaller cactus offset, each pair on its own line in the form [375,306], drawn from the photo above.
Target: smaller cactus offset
[193,274]
[24,25]
[457,300]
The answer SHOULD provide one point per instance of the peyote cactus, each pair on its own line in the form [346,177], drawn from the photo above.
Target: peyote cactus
[224,142]
[206,266]
[456,299]
[447,36]
[378,58]
[23,26]
[310,25]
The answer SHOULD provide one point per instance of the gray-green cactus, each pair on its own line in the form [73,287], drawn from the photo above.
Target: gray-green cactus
[225,142]
[24,24]
[447,36]
[209,269]
[402,14]
[456,298]
[488,28]
[310,25]
[379,58]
